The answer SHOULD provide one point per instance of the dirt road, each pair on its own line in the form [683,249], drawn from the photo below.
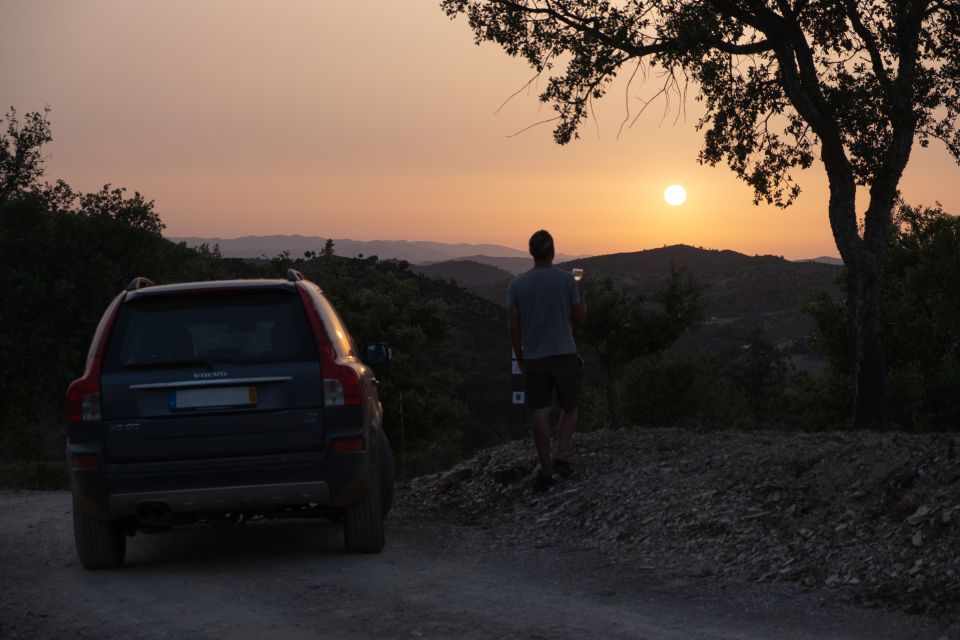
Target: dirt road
[291,579]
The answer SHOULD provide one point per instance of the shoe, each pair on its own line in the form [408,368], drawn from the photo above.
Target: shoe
[542,483]
[562,467]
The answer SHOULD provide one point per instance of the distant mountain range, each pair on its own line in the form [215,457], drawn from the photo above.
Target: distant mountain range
[743,293]
[824,260]
[417,252]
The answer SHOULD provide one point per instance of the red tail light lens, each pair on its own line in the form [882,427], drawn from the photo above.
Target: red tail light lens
[83,399]
[347,446]
[83,394]
[84,461]
[341,382]
[342,390]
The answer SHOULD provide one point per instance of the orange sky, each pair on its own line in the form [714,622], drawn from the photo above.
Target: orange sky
[372,120]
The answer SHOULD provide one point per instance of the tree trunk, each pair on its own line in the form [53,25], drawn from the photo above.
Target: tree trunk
[866,352]
[864,261]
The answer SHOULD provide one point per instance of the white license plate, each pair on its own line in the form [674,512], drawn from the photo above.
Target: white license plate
[213,397]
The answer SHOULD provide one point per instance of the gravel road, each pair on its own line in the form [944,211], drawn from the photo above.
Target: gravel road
[434,580]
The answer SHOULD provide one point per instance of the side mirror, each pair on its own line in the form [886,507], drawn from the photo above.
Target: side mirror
[376,354]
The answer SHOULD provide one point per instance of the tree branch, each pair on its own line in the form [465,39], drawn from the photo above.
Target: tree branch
[870,43]
[580,24]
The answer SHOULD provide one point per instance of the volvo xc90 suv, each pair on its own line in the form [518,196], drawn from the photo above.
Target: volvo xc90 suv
[221,401]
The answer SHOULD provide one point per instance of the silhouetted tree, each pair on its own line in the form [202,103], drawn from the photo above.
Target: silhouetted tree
[622,326]
[920,316]
[327,251]
[857,81]
[21,160]
[109,202]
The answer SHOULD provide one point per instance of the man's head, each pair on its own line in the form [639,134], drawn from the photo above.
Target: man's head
[541,246]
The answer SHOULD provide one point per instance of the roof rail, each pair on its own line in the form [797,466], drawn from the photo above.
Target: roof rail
[139,283]
[293,275]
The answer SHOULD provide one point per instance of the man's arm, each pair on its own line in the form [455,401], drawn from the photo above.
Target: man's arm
[578,310]
[516,339]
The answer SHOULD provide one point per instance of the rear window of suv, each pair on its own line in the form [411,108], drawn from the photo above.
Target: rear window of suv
[237,327]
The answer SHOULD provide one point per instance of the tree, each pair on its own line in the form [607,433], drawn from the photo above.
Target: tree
[920,317]
[21,161]
[857,81]
[109,202]
[327,251]
[623,327]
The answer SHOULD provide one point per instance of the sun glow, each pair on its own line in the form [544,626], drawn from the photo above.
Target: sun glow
[675,195]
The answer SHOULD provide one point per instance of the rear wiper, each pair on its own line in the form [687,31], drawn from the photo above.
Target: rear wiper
[168,364]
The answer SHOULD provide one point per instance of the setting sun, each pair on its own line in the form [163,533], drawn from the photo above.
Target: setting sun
[675,195]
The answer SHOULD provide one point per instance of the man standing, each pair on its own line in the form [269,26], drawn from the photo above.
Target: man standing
[544,304]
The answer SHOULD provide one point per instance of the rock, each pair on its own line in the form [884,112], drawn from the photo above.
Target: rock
[917,539]
[918,515]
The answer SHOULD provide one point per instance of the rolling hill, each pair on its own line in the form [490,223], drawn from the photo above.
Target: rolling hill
[744,293]
[416,252]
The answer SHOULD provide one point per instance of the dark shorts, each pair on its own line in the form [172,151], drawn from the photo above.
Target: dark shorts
[544,376]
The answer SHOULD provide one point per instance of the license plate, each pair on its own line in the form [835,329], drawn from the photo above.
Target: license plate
[213,397]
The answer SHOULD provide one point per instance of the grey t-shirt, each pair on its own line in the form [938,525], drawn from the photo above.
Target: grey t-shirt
[543,298]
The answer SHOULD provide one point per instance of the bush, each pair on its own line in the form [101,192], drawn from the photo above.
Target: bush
[667,389]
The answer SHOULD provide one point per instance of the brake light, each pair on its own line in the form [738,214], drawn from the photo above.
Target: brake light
[83,394]
[341,381]
[84,461]
[347,446]
[83,399]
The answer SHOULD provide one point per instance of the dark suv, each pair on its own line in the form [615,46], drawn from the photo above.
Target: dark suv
[221,401]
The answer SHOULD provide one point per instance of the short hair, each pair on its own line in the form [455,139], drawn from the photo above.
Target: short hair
[541,245]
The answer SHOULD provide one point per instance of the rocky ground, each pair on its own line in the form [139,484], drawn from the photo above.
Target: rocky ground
[871,516]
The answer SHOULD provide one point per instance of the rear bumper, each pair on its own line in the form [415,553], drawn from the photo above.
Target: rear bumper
[255,496]
[113,491]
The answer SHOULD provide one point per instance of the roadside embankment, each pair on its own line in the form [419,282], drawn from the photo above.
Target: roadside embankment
[875,516]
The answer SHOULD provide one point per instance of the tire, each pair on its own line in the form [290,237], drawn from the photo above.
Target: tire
[363,524]
[387,471]
[100,545]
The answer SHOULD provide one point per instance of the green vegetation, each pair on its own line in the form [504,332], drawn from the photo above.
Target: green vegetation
[920,320]
[623,326]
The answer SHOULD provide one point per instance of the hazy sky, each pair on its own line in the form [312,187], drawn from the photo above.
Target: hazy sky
[373,120]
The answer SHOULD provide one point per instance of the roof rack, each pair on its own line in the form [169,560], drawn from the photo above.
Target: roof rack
[293,275]
[139,283]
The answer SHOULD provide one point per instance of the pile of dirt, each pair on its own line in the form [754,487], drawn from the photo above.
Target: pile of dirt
[874,515]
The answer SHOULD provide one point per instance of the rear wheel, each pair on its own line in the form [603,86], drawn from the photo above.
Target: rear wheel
[100,545]
[386,472]
[363,523]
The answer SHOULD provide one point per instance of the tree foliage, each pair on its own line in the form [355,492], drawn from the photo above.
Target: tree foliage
[920,314]
[623,325]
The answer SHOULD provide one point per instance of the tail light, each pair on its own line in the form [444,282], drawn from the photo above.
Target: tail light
[341,385]
[341,381]
[352,445]
[84,461]
[83,394]
[83,399]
